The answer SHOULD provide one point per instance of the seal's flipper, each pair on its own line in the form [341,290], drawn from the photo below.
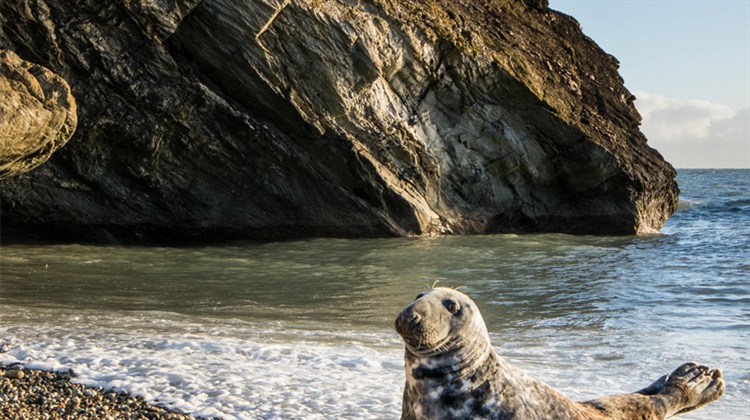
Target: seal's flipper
[655,387]
[692,386]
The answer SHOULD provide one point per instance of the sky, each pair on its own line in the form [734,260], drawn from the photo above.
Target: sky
[688,64]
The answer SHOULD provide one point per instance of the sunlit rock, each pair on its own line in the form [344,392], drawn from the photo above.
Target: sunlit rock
[37,114]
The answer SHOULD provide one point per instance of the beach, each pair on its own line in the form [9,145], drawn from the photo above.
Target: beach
[304,329]
[38,394]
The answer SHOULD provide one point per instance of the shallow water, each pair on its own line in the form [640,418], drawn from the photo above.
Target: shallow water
[303,329]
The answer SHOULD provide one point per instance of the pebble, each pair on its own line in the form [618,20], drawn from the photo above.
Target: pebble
[14,374]
[37,394]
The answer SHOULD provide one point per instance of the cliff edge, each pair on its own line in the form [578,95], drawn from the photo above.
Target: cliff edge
[266,119]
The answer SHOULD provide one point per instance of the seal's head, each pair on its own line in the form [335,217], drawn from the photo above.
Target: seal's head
[449,360]
[440,320]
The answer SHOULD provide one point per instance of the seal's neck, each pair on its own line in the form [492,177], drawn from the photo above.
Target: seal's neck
[463,360]
[448,384]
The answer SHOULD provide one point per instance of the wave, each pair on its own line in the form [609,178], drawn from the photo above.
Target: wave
[716,206]
[212,374]
[684,205]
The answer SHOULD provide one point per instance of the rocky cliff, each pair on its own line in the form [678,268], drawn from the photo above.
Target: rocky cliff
[227,119]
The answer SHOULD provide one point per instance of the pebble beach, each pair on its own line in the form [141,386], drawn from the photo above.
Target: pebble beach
[28,394]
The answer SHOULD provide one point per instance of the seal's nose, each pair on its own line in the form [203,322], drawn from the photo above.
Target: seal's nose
[407,320]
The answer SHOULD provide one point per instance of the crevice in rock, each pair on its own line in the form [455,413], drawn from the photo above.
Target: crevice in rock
[272,19]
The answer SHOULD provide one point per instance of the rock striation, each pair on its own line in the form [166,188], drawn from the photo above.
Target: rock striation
[37,114]
[264,119]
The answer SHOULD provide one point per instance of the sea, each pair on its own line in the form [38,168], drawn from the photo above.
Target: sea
[304,329]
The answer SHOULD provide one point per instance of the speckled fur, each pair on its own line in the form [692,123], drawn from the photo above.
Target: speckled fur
[453,372]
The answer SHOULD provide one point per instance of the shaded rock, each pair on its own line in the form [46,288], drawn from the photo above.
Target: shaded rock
[229,119]
[538,4]
[37,114]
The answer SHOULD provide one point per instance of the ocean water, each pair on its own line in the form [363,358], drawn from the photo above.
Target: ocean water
[304,329]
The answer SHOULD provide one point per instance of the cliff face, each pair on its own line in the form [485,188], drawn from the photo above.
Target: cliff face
[219,119]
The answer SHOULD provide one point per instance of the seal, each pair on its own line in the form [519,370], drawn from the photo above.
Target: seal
[453,372]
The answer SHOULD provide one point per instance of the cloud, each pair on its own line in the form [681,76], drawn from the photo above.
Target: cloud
[695,133]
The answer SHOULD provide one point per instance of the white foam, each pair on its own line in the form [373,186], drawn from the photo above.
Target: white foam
[247,370]
[220,372]
[684,204]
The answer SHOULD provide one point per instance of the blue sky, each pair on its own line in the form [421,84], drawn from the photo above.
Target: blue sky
[688,63]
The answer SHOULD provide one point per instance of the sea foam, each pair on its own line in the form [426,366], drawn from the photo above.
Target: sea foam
[210,373]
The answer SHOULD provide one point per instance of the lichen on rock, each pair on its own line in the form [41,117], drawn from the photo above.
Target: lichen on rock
[226,119]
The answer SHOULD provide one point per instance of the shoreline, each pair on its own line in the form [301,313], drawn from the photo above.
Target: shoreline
[33,393]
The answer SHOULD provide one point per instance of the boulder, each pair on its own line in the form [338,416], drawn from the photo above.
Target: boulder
[37,114]
[266,119]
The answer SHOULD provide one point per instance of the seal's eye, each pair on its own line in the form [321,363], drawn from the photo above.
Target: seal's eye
[420,295]
[451,305]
